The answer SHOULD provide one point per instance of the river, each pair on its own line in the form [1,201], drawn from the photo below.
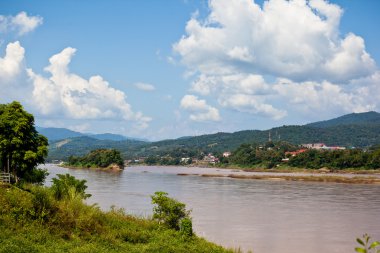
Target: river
[259,215]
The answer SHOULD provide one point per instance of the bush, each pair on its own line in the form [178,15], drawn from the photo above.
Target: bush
[43,203]
[171,212]
[186,226]
[68,187]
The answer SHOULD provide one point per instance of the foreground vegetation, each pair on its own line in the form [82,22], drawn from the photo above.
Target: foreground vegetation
[22,148]
[41,219]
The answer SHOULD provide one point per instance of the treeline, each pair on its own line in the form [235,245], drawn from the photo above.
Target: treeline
[100,158]
[274,154]
[267,155]
[337,159]
[167,160]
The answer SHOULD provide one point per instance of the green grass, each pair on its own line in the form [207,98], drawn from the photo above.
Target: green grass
[32,220]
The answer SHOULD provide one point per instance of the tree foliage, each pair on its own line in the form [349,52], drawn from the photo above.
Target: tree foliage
[98,158]
[271,154]
[22,148]
[171,212]
[68,187]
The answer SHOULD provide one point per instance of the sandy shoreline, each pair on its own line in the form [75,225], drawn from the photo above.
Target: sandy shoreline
[346,177]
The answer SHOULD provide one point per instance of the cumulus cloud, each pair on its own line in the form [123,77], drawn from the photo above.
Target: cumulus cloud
[144,86]
[75,97]
[252,104]
[292,39]
[200,110]
[240,45]
[11,64]
[21,23]
[325,96]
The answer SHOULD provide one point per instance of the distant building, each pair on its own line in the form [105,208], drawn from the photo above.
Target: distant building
[226,154]
[321,146]
[294,153]
[185,159]
[314,145]
[211,159]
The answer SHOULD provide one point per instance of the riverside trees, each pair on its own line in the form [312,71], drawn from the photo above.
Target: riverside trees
[22,148]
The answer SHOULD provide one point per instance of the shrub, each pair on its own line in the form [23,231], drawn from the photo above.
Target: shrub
[170,212]
[68,187]
[43,203]
[186,226]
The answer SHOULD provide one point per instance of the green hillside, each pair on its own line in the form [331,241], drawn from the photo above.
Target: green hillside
[343,131]
[350,119]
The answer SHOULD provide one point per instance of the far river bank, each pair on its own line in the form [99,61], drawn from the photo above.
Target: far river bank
[346,176]
[285,174]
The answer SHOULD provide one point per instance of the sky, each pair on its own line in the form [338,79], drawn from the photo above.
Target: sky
[166,69]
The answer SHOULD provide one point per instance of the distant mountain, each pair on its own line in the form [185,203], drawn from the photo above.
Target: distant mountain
[79,146]
[350,119]
[352,130]
[54,134]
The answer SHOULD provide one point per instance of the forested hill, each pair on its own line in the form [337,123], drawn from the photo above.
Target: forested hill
[353,130]
[350,119]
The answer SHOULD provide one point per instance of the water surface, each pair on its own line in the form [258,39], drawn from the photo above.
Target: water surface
[259,215]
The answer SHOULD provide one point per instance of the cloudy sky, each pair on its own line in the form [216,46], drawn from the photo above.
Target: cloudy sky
[165,69]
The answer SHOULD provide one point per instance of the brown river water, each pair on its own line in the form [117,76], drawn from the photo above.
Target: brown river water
[259,215]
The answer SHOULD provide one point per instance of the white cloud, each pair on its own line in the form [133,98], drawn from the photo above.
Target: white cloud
[80,128]
[144,86]
[317,98]
[292,39]
[21,23]
[77,98]
[252,104]
[200,110]
[11,64]
[240,45]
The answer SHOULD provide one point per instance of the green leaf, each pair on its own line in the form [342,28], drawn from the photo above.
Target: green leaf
[360,250]
[360,241]
[374,245]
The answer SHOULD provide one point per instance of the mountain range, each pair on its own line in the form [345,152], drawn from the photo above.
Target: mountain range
[351,130]
[54,134]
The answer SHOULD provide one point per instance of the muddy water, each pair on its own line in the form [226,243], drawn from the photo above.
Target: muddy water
[263,216]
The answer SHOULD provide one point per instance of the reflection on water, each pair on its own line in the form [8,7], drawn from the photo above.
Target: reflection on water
[264,216]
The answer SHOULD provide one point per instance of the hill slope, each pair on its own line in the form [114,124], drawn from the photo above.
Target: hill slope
[350,119]
[353,130]
[53,133]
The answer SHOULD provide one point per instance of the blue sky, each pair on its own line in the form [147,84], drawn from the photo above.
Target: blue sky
[160,70]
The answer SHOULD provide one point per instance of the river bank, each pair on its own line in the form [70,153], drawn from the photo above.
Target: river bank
[346,176]
[111,168]
[33,220]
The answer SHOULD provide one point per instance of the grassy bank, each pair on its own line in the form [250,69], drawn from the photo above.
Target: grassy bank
[33,220]
[284,168]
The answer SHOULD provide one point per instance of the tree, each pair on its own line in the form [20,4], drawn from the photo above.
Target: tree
[68,187]
[171,212]
[22,148]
